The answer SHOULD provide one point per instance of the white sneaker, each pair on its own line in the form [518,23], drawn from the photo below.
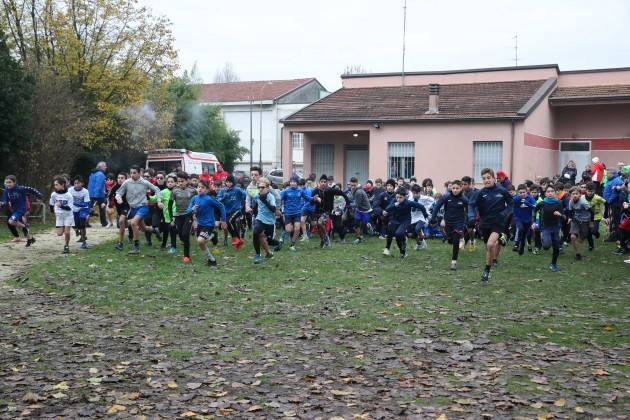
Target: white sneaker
[386,252]
[453,265]
[627,261]
[416,247]
[423,244]
[304,238]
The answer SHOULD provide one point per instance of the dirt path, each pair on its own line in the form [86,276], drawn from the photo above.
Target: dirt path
[15,258]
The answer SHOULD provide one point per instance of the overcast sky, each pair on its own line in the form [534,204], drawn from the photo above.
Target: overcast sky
[283,39]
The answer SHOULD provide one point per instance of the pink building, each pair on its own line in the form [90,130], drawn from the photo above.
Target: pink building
[528,121]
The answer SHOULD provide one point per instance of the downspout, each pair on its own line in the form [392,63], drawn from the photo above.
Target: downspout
[512,149]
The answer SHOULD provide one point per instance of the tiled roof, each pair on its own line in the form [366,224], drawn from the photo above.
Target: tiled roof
[410,103]
[249,91]
[591,92]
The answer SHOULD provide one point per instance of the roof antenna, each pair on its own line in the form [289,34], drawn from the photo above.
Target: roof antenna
[515,38]
[402,75]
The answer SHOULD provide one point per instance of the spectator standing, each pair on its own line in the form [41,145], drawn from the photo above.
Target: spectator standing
[96,188]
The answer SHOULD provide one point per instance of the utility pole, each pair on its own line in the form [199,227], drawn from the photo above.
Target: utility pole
[251,133]
[402,75]
[515,38]
[260,150]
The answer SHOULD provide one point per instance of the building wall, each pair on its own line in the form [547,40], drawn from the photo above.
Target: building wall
[535,157]
[610,77]
[454,78]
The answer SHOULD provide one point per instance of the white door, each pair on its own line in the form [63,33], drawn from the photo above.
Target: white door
[577,151]
[356,164]
[322,159]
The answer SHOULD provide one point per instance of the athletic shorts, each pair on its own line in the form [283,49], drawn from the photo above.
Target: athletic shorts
[64,219]
[205,232]
[141,212]
[580,229]
[308,211]
[290,219]
[362,218]
[486,231]
[79,220]
[550,235]
[625,224]
[16,216]
[457,229]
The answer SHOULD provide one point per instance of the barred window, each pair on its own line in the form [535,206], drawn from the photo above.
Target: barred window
[297,140]
[401,159]
[487,154]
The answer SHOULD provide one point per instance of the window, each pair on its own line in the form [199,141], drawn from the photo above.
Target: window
[401,159]
[487,154]
[208,166]
[297,140]
[322,159]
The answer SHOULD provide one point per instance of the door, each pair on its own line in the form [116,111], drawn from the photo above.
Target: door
[356,163]
[577,151]
[322,159]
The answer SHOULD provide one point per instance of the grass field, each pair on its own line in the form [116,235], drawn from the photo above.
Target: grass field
[350,287]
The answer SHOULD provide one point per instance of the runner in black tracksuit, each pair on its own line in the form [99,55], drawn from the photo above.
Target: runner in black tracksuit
[495,205]
[324,199]
[455,211]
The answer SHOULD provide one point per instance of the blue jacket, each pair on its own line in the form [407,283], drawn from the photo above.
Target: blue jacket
[455,209]
[384,200]
[293,199]
[611,195]
[494,205]
[96,184]
[266,208]
[524,209]
[16,197]
[232,199]
[205,211]
[401,213]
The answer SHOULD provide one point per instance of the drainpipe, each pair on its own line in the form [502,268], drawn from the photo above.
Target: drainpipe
[512,149]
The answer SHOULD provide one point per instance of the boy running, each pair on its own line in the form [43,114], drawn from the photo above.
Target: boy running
[400,212]
[293,199]
[418,221]
[580,221]
[524,205]
[80,208]
[597,204]
[202,207]
[178,203]
[455,210]
[232,198]
[324,199]
[121,210]
[265,202]
[60,203]
[166,225]
[494,204]
[16,198]
[551,217]
[135,190]
[362,209]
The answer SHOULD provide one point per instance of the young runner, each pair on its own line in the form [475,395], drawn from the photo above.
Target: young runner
[178,203]
[293,199]
[455,211]
[400,219]
[232,198]
[60,204]
[264,227]
[16,198]
[323,197]
[551,216]
[202,207]
[80,208]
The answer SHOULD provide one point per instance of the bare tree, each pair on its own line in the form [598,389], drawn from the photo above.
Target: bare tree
[226,74]
[355,69]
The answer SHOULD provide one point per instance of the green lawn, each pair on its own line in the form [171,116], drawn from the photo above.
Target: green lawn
[350,287]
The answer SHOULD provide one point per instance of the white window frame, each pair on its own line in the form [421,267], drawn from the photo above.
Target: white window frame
[395,150]
[485,160]
[297,141]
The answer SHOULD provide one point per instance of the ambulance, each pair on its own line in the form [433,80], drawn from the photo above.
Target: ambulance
[172,160]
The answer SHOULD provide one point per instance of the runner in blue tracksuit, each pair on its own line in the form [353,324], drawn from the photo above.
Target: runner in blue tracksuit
[202,208]
[15,198]
[233,197]
[494,204]
[399,213]
[293,199]
[523,217]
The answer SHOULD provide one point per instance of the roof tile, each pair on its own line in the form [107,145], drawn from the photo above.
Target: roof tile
[410,103]
[249,91]
[591,92]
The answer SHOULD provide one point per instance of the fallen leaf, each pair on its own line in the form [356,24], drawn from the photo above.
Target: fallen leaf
[61,385]
[600,372]
[560,402]
[59,395]
[341,393]
[116,408]
[609,327]
[538,379]
[466,401]
[93,371]
[579,409]
[172,384]
[537,405]
[442,417]
[289,414]
[189,414]
[133,396]
[254,408]
[217,394]
[32,398]
[193,385]
[256,383]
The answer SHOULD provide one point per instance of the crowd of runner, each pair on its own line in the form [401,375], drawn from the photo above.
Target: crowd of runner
[550,213]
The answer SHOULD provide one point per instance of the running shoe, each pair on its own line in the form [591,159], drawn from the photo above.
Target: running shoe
[134,251]
[503,239]
[554,268]
[66,249]
[292,248]
[485,276]
[387,252]
[212,263]
[119,246]
[30,242]
[257,259]
[186,260]
[453,265]
[172,250]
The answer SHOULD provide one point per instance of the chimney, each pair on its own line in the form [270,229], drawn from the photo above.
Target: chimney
[434,98]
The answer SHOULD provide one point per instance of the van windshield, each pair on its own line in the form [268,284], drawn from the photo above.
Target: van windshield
[167,166]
